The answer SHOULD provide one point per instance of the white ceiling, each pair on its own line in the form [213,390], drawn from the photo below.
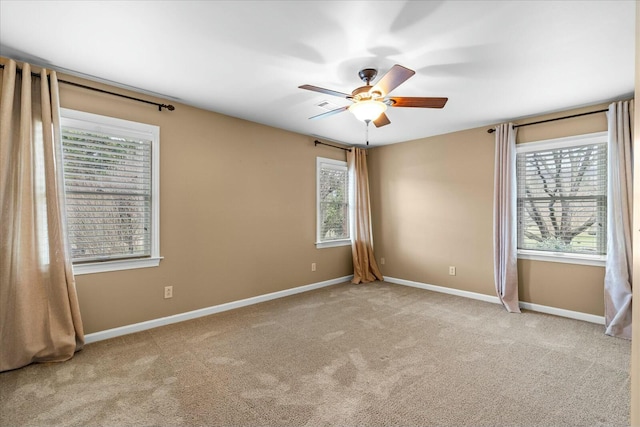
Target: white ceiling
[494,60]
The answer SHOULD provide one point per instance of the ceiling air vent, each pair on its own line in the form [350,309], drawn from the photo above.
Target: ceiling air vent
[326,105]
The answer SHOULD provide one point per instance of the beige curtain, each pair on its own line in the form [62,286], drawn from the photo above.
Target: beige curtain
[505,245]
[365,268]
[618,271]
[39,313]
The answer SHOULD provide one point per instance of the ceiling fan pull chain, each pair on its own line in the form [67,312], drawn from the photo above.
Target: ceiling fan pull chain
[366,131]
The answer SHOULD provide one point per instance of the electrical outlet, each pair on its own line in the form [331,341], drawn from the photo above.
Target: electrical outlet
[168,292]
[452,271]
[313,266]
[382,261]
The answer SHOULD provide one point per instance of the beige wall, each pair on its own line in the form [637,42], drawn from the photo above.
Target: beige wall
[237,215]
[635,345]
[431,210]
[432,203]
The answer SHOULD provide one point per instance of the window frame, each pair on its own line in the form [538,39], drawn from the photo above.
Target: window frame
[554,144]
[99,123]
[341,165]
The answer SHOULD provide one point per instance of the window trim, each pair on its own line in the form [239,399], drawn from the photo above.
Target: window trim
[100,123]
[115,265]
[562,257]
[554,144]
[339,164]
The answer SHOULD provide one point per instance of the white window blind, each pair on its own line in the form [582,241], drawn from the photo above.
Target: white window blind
[333,200]
[109,192]
[562,197]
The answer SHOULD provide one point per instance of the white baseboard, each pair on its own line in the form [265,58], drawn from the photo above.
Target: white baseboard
[150,324]
[443,290]
[586,317]
[494,299]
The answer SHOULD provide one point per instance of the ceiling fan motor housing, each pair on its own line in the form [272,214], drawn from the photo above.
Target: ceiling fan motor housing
[364,93]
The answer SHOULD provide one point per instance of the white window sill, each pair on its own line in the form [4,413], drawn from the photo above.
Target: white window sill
[333,243]
[122,264]
[596,260]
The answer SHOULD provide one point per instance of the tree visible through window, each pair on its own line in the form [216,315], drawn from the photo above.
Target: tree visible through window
[562,197]
[333,200]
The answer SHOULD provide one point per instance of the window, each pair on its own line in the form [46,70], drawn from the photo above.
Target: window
[333,203]
[562,199]
[111,183]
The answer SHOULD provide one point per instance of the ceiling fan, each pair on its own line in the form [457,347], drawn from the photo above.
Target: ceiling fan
[371,102]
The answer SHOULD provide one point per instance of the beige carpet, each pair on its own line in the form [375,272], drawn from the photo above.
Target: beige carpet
[367,355]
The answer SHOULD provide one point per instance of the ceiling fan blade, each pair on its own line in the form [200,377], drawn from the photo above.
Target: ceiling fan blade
[382,120]
[325,91]
[329,113]
[408,101]
[394,78]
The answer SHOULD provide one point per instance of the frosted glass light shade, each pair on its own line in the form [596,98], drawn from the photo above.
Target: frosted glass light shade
[367,110]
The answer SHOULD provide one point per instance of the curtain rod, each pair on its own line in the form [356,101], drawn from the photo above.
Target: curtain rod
[316,142]
[492,130]
[160,106]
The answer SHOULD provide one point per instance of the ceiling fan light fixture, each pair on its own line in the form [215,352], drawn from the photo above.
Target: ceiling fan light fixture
[367,109]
